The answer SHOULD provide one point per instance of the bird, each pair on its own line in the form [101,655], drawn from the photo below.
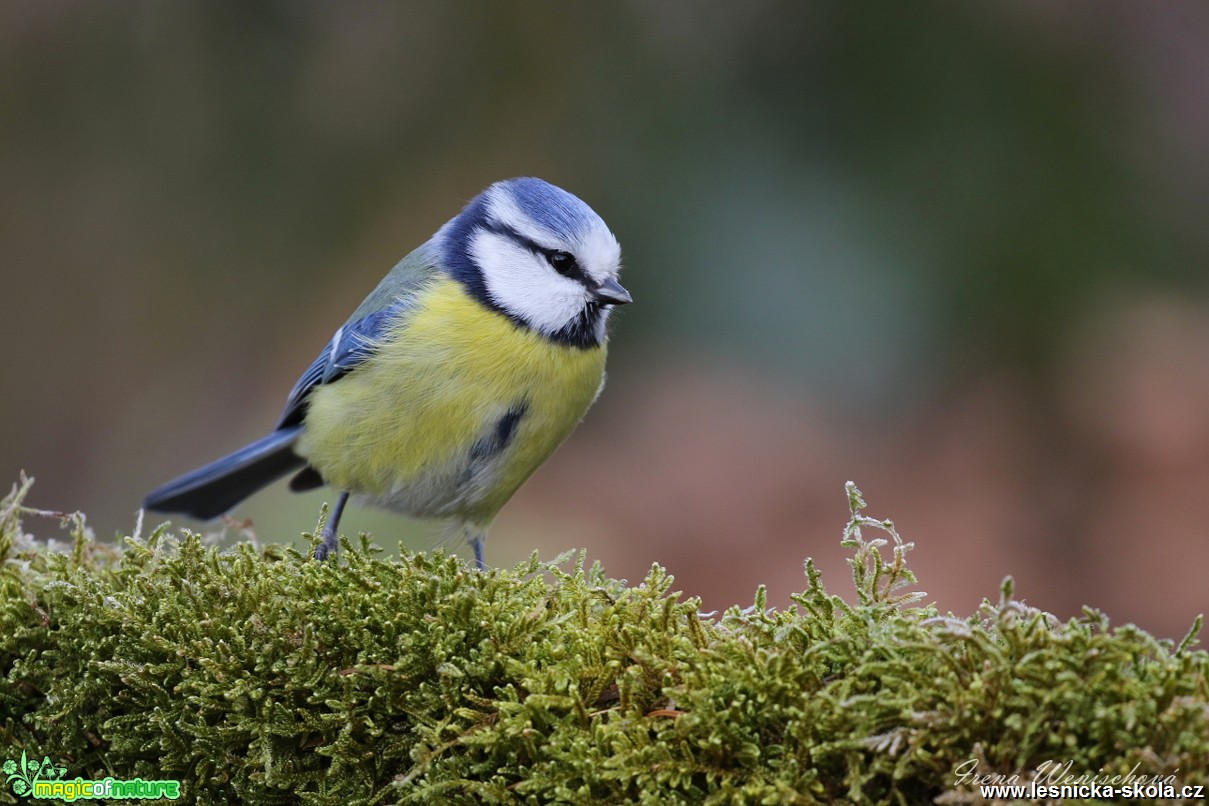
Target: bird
[456,378]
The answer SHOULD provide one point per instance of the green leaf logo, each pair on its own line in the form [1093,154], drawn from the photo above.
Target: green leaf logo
[24,774]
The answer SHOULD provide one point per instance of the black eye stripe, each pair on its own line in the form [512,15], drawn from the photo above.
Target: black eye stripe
[553,256]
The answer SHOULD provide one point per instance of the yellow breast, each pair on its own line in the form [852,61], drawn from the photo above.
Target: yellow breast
[455,409]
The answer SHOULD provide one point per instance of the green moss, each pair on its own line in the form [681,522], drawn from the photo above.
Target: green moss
[258,675]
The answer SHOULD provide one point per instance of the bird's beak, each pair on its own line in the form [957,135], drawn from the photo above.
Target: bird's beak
[612,292]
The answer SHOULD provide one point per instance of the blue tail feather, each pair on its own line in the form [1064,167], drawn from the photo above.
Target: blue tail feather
[214,489]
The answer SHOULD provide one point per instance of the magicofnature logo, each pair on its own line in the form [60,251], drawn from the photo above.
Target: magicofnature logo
[45,780]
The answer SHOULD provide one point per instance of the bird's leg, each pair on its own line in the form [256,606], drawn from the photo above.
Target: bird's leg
[476,543]
[330,535]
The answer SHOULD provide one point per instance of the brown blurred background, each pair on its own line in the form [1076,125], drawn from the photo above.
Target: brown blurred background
[955,252]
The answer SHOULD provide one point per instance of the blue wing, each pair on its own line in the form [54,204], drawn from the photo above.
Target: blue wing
[351,345]
[357,339]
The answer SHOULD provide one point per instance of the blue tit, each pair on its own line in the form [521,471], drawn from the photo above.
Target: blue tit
[459,375]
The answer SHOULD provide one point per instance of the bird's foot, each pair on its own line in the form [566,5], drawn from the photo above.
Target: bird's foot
[329,545]
[331,538]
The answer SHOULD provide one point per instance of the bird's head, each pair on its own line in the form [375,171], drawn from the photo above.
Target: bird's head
[540,256]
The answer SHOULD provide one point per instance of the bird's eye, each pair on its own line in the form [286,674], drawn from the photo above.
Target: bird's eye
[563,262]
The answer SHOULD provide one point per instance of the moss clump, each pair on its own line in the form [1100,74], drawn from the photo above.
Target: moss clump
[260,676]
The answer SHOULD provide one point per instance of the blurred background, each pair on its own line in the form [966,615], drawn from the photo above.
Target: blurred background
[954,252]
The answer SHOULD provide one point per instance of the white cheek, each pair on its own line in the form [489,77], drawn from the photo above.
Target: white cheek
[523,284]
